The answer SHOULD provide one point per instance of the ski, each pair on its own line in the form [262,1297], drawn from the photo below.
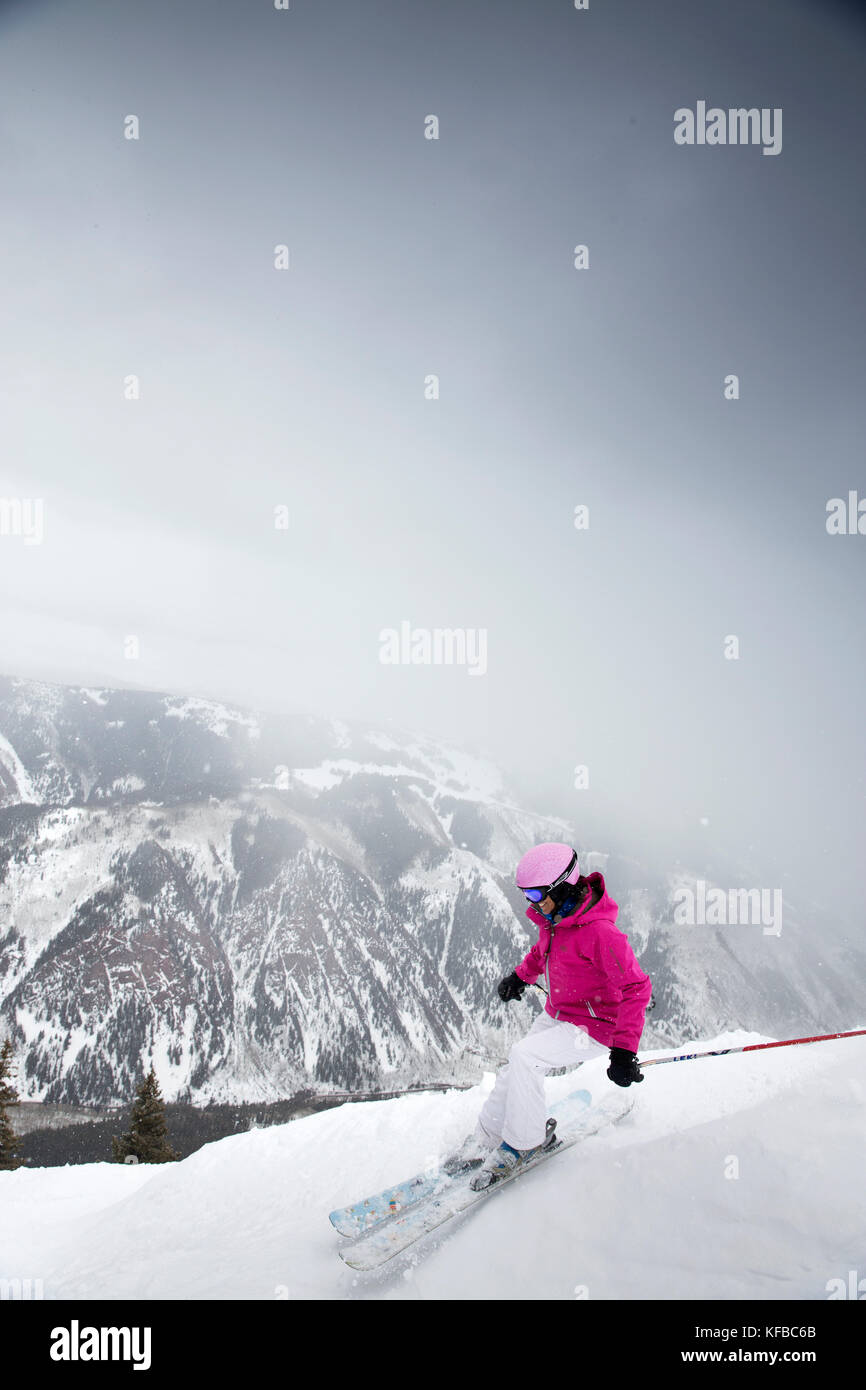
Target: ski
[360,1216]
[389,1238]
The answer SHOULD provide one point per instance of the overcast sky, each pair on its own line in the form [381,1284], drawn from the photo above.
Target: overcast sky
[411,258]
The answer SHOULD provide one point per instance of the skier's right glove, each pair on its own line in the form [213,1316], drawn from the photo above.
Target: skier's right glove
[512,987]
[624,1068]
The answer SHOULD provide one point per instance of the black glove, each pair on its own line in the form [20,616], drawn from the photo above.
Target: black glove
[512,987]
[624,1067]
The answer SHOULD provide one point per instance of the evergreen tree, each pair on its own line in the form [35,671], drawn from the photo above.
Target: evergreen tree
[147,1136]
[10,1142]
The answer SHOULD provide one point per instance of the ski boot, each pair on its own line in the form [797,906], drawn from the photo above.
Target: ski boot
[471,1154]
[505,1159]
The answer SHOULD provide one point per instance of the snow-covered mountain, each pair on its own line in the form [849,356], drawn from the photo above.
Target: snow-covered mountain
[257,904]
[262,904]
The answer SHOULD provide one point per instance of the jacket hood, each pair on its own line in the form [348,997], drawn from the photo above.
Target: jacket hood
[597,906]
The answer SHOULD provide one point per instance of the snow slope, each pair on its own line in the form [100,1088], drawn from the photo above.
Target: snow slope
[650,1209]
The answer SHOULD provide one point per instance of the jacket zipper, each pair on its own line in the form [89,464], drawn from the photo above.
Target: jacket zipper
[547,968]
[592,1011]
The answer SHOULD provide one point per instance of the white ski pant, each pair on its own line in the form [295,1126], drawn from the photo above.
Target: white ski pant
[515,1110]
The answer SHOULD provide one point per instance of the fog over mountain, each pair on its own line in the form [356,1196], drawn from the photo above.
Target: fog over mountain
[321,265]
[260,905]
[427,429]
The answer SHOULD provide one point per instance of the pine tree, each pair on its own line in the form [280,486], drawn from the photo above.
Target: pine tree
[10,1142]
[147,1136]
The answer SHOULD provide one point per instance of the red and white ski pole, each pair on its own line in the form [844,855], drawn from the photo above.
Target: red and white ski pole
[752,1047]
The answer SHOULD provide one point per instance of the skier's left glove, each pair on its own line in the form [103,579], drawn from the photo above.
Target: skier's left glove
[624,1067]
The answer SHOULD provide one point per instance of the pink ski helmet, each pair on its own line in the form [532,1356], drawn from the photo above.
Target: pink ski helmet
[544,867]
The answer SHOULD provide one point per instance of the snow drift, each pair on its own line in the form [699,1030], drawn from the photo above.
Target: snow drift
[735,1177]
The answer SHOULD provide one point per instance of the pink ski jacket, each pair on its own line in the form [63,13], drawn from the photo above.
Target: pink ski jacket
[590,972]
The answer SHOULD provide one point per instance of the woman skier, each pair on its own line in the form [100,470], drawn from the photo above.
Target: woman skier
[597,996]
